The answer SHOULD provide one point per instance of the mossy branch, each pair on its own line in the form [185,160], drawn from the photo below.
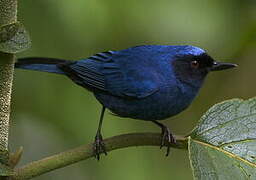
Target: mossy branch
[6,76]
[84,152]
[8,15]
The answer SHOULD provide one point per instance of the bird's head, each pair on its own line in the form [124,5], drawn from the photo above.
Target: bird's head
[192,64]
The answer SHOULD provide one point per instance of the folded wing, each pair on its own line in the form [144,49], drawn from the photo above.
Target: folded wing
[103,72]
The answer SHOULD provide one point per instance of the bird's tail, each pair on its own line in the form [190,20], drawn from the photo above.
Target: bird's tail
[40,64]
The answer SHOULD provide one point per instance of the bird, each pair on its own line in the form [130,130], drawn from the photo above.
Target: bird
[146,82]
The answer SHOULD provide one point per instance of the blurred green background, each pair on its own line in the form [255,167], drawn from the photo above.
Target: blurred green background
[50,114]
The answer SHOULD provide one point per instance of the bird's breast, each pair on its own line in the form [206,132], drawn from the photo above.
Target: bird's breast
[161,105]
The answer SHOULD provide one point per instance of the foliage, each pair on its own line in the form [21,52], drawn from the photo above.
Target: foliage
[14,38]
[222,146]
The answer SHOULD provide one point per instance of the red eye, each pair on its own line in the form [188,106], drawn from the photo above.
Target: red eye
[194,64]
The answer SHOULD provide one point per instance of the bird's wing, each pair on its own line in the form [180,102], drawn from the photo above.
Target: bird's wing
[102,72]
[87,73]
[128,81]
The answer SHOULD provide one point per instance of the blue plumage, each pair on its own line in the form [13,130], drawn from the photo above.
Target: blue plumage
[151,82]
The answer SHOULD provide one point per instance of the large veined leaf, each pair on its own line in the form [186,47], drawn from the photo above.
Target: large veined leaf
[223,145]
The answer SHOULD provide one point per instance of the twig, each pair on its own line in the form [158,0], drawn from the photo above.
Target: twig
[8,15]
[84,152]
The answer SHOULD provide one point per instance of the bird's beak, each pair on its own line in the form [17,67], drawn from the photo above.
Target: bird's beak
[218,66]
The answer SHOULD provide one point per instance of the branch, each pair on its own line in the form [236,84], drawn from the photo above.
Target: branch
[8,15]
[6,76]
[84,152]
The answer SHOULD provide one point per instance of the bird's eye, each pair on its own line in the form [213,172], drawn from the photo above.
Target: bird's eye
[194,64]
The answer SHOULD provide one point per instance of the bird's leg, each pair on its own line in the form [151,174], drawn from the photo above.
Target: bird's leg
[99,145]
[166,135]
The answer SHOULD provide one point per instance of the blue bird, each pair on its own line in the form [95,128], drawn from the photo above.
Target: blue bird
[150,82]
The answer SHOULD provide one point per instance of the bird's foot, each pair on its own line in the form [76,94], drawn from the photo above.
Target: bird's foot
[99,146]
[167,136]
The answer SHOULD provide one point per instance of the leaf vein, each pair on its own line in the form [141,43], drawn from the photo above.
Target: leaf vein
[237,142]
[225,123]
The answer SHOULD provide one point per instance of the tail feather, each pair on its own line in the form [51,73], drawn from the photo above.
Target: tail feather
[40,64]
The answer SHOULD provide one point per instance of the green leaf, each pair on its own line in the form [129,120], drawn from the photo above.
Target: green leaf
[210,162]
[14,38]
[15,157]
[225,141]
